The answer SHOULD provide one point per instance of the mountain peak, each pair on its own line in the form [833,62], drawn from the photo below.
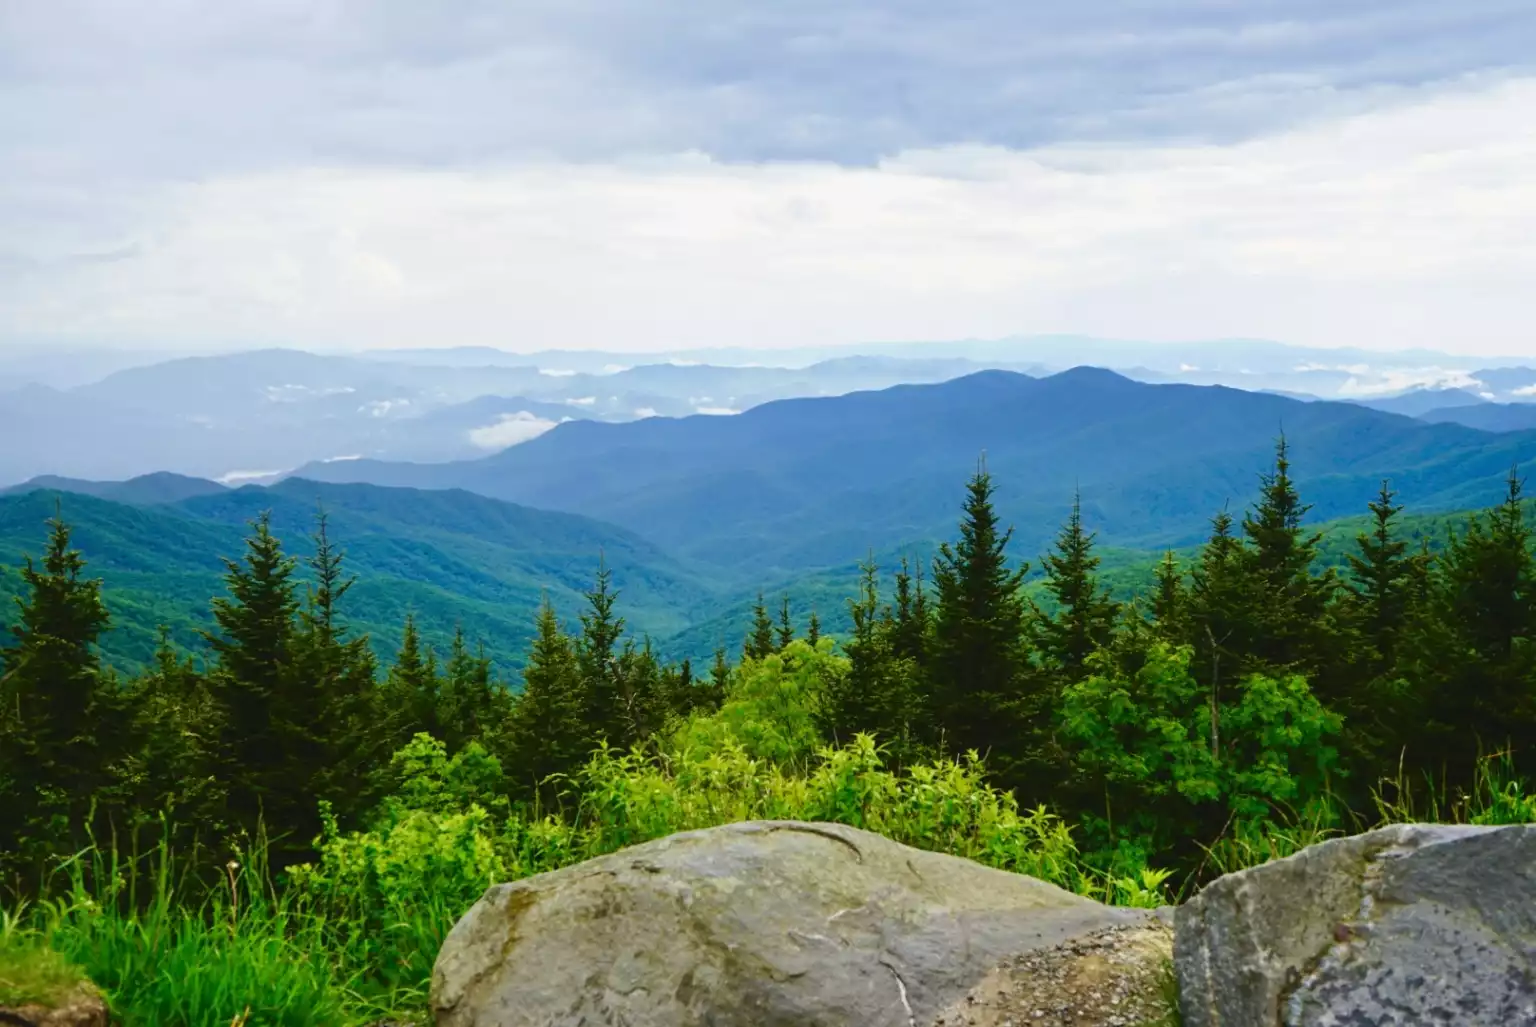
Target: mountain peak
[1085,374]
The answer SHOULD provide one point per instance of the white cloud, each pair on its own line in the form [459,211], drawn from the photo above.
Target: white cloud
[582,401]
[383,407]
[1391,381]
[1525,390]
[644,412]
[1406,225]
[509,430]
[556,372]
[715,411]
[1355,369]
[244,477]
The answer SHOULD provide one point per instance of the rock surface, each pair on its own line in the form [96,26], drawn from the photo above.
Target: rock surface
[760,924]
[85,1008]
[1412,924]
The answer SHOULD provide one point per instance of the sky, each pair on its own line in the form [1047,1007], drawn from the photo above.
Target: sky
[660,174]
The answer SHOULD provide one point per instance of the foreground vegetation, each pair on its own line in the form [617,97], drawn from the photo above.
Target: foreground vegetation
[278,832]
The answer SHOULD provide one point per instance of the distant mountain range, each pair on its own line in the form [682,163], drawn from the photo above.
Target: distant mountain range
[249,415]
[1495,417]
[799,484]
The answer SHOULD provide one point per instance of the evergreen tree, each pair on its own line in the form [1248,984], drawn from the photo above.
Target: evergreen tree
[1295,629]
[909,632]
[1385,591]
[855,703]
[682,694]
[719,680]
[1170,600]
[813,630]
[546,733]
[642,702]
[474,706]
[413,689]
[597,653]
[331,584]
[352,735]
[1219,618]
[786,630]
[171,765]
[760,641]
[58,709]
[1476,665]
[983,695]
[270,715]
[1378,577]
[1085,616]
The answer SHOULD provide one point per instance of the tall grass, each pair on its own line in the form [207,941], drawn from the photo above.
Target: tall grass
[1498,796]
[168,948]
[176,939]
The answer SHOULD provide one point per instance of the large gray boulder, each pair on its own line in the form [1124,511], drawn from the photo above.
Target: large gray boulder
[1412,924]
[757,925]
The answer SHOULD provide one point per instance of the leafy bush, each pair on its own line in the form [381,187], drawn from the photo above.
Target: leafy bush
[1176,767]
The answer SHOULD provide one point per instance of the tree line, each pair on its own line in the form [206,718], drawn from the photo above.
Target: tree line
[1245,687]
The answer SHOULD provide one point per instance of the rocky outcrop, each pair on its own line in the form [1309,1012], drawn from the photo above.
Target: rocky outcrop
[1413,924]
[778,923]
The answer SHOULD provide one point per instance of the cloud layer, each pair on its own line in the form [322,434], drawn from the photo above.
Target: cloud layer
[654,175]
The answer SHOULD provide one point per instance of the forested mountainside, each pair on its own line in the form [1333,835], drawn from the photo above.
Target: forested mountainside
[450,558]
[456,559]
[336,813]
[799,484]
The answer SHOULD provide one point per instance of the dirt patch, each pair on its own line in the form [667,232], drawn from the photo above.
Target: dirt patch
[1116,977]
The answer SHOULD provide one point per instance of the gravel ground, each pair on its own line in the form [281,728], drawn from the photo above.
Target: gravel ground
[1114,978]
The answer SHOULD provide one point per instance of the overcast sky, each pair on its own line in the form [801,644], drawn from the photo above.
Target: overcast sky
[649,174]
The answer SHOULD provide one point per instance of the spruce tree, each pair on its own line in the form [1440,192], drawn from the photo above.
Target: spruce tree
[786,629]
[597,653]
[1477,665]
[983,694]
[813,630]
[1170,600]
[719,680]
[174,726]
[474,706]
[642,701]
[58,709]
[859,701]
[413,688]
[270,715]
[1219,617]
[352,734]
[760,641]
[1085,615]
[909,632]
[681,693]
[1295,630]
[1381,579]
[546,733]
